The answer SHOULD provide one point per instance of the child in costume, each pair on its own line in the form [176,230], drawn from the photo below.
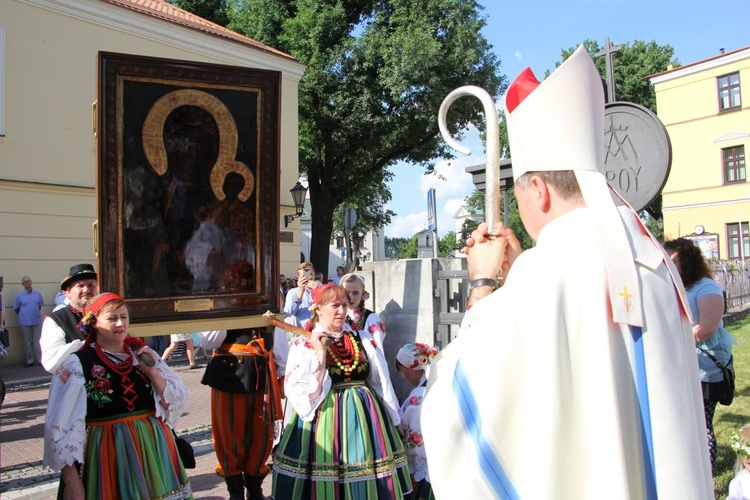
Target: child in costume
[739,488]
[413,362]
[357,316]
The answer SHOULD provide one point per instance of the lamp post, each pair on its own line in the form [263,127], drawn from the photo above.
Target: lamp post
[299,193]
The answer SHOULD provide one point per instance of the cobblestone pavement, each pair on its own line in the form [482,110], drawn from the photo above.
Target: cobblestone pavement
[22,429]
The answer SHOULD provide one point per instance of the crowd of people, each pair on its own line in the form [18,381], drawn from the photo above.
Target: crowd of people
[602,353]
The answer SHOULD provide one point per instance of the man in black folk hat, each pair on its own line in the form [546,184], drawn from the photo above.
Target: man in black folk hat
[61,331]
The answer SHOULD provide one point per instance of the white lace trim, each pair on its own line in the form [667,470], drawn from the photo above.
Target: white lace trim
[175,395]
[64,446]
[300,382]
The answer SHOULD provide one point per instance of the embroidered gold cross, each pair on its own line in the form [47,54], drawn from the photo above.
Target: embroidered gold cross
[627,296]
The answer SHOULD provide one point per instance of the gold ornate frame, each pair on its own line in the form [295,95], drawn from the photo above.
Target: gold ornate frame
[188,187]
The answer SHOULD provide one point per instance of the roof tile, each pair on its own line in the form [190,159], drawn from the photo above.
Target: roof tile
[171,13]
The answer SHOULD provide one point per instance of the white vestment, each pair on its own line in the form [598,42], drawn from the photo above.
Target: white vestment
[541,395]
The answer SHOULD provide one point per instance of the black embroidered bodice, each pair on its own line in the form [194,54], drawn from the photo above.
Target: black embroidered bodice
[346,360]
[113,393]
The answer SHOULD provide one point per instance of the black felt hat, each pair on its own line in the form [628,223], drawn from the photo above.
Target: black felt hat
[78,272]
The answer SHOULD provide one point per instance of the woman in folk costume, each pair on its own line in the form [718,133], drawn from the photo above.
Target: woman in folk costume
[358,317]
[594,387]
[109,419]
[413,362]
[341,441]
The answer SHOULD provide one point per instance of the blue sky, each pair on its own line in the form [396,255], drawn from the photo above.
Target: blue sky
[532,33]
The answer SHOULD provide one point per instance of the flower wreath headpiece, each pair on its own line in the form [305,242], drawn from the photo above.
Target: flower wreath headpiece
[740,446]
[416,356]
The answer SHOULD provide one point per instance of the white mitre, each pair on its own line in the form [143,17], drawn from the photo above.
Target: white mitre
[559,125]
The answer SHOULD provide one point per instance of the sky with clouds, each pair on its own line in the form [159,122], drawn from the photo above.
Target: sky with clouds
[532,33]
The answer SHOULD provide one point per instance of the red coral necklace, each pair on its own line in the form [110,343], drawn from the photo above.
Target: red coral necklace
[122,368]
[344,353]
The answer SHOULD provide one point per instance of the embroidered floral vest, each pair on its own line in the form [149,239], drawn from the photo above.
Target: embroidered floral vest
[110,394]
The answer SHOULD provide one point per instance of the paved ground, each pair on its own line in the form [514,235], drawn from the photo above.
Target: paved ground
[22,428]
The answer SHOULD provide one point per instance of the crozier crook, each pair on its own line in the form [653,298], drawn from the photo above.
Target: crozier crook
[492,190]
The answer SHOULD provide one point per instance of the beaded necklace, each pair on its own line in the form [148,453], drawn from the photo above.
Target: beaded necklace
[344,353]
[122,368]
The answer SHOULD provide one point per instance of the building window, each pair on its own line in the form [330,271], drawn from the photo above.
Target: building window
[733,160]
[733,241]
[729,92]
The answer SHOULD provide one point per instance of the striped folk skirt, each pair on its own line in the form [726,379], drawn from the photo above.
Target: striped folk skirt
[350,450]
[131,458]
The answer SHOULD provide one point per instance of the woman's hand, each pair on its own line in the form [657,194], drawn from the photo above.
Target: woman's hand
[301,284]
[316,338]
[145,355]
[73,484]
[157,380]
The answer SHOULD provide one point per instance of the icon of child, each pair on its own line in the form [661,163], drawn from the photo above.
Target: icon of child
[413,362]
[739,488]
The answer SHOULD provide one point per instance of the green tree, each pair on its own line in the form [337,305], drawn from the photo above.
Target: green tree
[213,10]
[407,248]
[633,63]
[515,223]
[376,75]
[372,215]
[475,204]
[392,246]
[447,244]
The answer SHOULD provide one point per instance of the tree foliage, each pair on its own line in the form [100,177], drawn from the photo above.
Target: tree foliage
[369,205]
[376,75]
[401,248]
[475,204]
[515,223]
[213,10]
[633,63]
[448,244]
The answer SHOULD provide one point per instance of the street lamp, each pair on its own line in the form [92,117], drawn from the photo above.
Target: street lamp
[299,192]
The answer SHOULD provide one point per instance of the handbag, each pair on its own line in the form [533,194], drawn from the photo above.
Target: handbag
[726,394]
[4,337]
[185,450]
[235,374]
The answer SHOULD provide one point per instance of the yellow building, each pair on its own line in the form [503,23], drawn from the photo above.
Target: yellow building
[705,107]
[49,52]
